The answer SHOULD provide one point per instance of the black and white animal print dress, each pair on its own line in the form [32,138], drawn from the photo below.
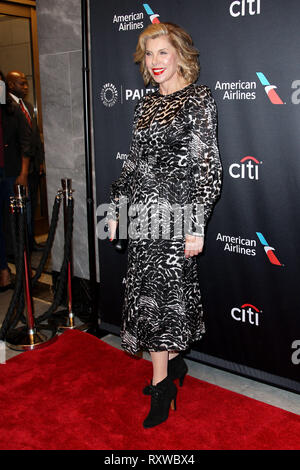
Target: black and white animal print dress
[173,162]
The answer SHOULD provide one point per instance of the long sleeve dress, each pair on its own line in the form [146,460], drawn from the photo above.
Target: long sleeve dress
[170,183]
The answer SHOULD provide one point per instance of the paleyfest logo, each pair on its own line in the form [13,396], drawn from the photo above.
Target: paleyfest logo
[109,95]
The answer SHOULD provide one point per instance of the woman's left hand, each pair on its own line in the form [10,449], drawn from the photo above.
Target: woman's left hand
[193,245]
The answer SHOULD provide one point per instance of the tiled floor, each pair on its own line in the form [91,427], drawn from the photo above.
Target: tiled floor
[272,395]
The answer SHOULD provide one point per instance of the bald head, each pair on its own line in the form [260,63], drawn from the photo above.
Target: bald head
[17,84]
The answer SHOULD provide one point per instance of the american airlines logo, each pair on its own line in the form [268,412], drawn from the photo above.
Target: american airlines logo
[269,250]
[153,16]
[237,244]
[129,22]
[239,90]
[247,246]
[269,89]
[246,90]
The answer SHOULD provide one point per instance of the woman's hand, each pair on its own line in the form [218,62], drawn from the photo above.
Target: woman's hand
[112,226]
[193,245]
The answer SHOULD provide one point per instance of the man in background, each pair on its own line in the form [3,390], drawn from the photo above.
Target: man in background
[15,156]
[18,89]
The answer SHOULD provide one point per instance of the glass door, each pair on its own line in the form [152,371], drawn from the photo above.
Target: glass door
[19,52]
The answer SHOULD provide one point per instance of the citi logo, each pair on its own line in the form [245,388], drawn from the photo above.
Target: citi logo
[153,16]
[244,7]
[269,250]
[247,313]
[269,89]
[247,168]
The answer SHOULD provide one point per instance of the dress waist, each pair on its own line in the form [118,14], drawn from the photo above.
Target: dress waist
[161,172]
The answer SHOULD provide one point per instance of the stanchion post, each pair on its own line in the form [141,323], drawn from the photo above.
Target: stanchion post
[21,197]
[30,337]
[65,319]
[69,321]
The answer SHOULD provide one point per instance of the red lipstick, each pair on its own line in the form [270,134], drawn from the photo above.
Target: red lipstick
[158,71]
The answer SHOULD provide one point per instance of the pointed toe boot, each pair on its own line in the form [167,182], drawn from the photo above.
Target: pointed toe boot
[163,396]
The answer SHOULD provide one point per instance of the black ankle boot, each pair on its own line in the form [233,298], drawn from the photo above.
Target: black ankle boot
[163,395]
[177,369]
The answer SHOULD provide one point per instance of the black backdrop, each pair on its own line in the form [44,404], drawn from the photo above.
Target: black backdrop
[250,269]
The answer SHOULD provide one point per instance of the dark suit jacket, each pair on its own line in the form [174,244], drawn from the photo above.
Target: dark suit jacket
[37,148]
[16,138]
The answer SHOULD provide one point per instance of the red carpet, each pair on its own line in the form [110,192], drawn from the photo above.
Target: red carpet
[80,393]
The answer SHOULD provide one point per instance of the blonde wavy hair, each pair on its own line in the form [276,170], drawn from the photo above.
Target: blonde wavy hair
[189,67]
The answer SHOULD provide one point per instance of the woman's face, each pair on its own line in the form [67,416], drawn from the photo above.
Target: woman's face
[161,61]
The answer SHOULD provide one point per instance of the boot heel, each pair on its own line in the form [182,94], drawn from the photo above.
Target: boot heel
[177,369]
[173,403]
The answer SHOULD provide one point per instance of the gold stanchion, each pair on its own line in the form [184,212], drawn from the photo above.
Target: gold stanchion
[65,319]
[25,338]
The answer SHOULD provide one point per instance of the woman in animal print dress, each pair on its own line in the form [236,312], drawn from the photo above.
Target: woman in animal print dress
[171,181]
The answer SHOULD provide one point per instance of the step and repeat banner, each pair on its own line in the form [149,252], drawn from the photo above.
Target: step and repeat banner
[250,268]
